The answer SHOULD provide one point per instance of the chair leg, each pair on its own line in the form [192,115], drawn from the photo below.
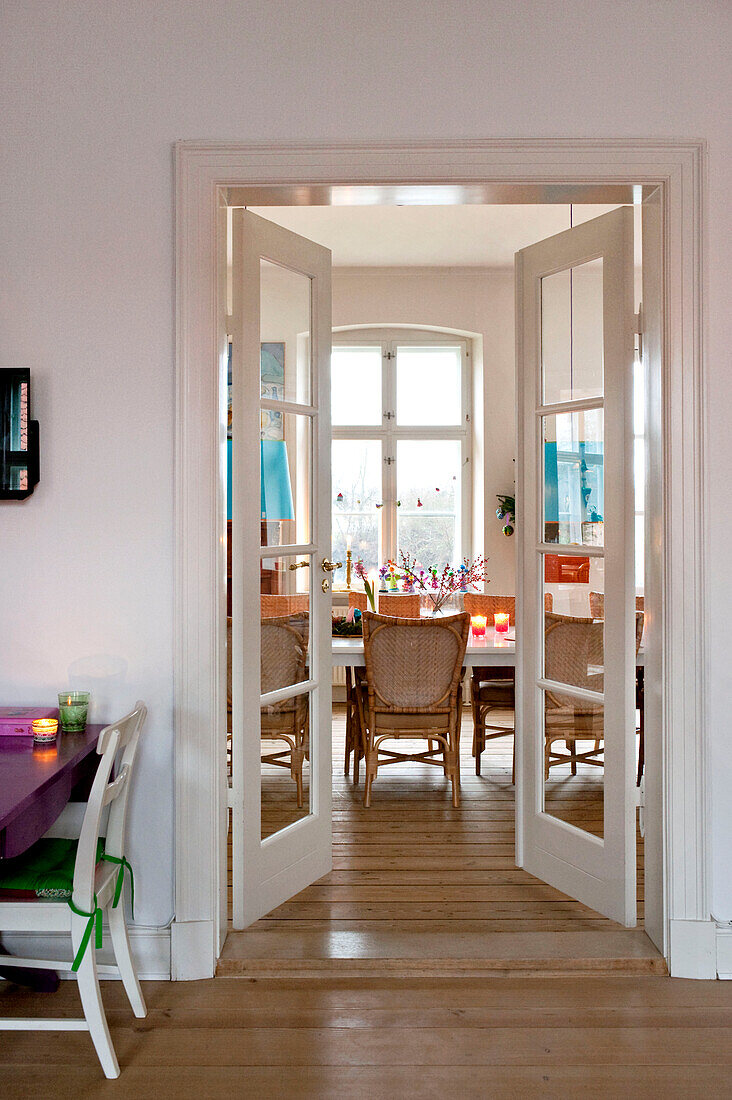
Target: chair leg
[121,945]
[641,753]
[91,1000]
[349,720]
[573,764]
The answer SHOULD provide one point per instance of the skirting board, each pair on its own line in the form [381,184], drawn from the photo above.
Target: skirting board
[150,949]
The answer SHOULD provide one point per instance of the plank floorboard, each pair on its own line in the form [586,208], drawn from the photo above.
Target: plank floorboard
[418,883]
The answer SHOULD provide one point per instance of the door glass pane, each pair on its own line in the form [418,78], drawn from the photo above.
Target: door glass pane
[355,386]
[429,497]
[285,334]
[574,787]
[356,485]
[428,385]
[574,585]
[573,642]
[285,617]
[285,756]
[572,333]
[574,494]
[285,485]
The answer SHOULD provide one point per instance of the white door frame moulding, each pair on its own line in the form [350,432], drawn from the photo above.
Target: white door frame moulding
[552,166]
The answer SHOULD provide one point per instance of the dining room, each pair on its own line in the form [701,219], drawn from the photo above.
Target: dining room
[424,528]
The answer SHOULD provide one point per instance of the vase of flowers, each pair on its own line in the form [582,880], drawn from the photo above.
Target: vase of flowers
[443,585]
[360,571]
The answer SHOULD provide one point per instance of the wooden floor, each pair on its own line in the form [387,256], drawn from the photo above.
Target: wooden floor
[418,887]
[380,1038]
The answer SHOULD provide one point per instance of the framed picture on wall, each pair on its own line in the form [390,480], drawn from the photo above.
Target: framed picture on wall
[272,366]
[272,372]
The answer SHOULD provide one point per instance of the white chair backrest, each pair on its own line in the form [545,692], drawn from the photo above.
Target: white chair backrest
[118,739]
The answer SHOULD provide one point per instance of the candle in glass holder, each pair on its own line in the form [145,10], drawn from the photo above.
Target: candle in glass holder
[500,622]
[477,625]
[72,708]
[44,730]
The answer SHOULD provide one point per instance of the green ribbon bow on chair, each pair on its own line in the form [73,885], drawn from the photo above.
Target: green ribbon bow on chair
[123,863]
[95,917]
[94,921]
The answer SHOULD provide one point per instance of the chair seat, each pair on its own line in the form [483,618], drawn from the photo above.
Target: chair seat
[46,870]
[410,722]
[496,692]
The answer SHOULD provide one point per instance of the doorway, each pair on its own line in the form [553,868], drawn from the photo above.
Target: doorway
[396,403]
[530,175]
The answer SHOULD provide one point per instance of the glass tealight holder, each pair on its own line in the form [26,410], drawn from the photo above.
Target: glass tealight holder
[73,707]
[500,622]
[44,731]
[477,625]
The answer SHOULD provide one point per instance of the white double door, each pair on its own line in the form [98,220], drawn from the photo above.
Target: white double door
[575,495]
[575,499]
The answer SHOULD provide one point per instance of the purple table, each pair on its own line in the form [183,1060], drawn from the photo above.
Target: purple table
[36,783]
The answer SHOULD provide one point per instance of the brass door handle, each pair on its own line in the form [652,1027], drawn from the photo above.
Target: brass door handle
[331,566]
[300,565]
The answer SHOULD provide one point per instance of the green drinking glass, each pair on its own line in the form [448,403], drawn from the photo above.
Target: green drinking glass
[72,710]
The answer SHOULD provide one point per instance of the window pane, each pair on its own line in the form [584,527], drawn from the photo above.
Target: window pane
[573,478]
[572,333]
[428,489]
[428,381]
[355,386]
[356,481]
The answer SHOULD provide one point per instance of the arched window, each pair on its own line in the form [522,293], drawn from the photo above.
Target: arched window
[400,401]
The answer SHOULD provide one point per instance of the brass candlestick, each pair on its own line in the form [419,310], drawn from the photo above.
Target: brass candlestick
[348,569]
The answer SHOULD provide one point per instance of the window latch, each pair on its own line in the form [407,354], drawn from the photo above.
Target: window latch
[388,416]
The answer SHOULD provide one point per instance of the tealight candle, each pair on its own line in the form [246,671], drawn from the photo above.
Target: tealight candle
[44,730]
[500,622]
[477,625]
[72,708]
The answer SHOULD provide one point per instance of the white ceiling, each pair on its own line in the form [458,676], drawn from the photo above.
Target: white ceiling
[426,236]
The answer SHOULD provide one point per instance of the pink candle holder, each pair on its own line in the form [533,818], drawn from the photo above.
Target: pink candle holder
[500,622]
[477,625]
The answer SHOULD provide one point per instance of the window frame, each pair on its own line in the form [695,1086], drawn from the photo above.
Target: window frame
[389,433]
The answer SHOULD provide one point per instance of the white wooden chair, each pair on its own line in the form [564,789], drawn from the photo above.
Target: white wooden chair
[96,890]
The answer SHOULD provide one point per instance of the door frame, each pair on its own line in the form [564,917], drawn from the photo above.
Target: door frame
[548,171]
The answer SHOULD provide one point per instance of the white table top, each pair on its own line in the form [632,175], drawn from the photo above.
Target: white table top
[491,650]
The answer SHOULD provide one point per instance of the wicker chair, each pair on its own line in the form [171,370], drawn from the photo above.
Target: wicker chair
[597,604]
[284,658]
[389,604]
[573,647]
[597,611]
[274,605]
[404,605]
[412,690]
[491,686]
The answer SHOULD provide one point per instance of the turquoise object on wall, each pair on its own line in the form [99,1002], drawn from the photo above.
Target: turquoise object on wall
[275,489]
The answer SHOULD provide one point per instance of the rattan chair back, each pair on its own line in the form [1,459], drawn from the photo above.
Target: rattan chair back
[405,605]
[414,665]
[480,603]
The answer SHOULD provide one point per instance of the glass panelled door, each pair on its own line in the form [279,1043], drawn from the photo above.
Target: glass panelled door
[280,548]
[579,632]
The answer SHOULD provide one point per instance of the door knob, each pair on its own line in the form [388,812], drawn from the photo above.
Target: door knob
[300,565]
[330,566]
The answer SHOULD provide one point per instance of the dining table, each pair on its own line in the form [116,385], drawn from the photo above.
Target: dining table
[492,649]
[36,784]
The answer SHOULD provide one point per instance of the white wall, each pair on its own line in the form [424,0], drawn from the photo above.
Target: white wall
[93,97]
[477,300]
